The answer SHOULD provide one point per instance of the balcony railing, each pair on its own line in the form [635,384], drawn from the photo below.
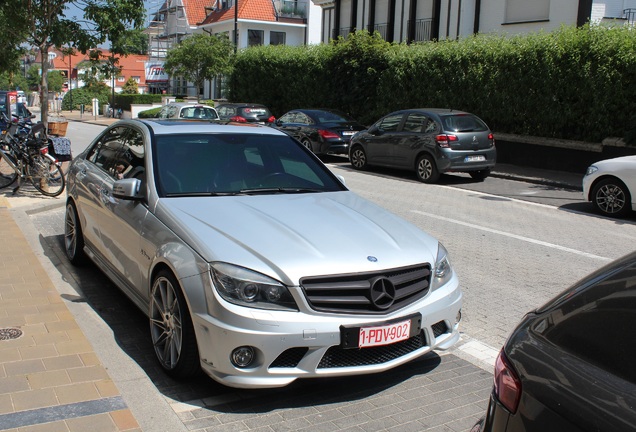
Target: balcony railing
[630,15]
[344,32]
[420,29]
[382,28]
[291,8]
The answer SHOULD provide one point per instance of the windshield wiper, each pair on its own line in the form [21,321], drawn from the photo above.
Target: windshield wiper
[199,194]
[286,190]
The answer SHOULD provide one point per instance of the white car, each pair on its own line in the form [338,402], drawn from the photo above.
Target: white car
[190,111]
[251,259]
[611,185]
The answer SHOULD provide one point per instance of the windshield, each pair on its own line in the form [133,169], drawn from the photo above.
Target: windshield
[229,164]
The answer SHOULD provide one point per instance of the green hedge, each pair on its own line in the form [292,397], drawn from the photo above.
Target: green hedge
[84,96]
[124,101]
[573,83]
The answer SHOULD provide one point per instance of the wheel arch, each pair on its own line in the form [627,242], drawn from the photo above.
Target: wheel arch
[608,177]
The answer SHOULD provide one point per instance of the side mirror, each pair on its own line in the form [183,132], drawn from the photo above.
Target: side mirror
[374,130]
[128,189]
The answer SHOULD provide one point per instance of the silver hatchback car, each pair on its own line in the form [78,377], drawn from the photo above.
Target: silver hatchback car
[251,259]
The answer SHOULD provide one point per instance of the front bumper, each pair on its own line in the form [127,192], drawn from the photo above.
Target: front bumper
[307,344]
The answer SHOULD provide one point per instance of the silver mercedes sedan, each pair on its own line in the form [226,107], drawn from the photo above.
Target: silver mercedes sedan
[251,259]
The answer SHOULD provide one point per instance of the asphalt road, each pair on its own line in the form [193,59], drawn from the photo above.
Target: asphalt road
[513,244]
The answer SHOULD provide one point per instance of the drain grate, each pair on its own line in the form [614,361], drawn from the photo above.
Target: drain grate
[10,333]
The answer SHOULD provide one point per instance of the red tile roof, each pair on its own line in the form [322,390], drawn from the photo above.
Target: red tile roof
[195,10]
[259,10]
[131,66]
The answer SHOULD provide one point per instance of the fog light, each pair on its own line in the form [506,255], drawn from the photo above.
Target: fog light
[458,318]
[242,357]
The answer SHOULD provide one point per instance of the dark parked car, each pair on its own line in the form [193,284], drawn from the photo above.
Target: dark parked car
[323,131]
[245,113]
[568,365]
[429,141]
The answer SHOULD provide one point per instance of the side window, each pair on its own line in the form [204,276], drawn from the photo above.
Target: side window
[130,160]
[390,123]
[163,113]
[105,152]
[288,118]
[414,122]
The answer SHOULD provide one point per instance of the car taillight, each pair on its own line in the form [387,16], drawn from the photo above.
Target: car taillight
[491,137]
[444,140]
[272,119]
[507,383]
[326,134]
[238,119]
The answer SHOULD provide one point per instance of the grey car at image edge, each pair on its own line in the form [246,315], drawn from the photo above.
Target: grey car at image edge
[251,259]
[428,141]
[568,366]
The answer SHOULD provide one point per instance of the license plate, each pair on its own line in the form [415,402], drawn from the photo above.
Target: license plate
[384,335]
[348,133]
[479,158]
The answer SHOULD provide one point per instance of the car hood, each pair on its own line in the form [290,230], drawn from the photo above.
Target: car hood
[291,236]
[619,161]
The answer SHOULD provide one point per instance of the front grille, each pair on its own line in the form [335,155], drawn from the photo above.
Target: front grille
[352,294]
[289,358]
[439,328]
[337,357]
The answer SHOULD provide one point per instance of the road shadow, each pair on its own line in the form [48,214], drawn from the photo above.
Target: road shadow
[130,328]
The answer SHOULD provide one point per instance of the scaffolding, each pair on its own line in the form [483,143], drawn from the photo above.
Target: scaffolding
[167,26]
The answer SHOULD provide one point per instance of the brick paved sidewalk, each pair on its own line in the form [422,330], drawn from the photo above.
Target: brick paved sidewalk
[51,380]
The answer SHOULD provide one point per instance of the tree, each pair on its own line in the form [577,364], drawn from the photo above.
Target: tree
[42,24]
[200,57]
[130,87]
[55,81]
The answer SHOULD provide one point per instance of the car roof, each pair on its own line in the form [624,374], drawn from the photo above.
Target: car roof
[188,104]
[167,127]
[240,104]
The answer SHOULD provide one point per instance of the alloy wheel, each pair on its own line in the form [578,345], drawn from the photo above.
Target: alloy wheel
[166,323]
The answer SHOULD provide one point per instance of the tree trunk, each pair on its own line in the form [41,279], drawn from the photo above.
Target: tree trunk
[44,102]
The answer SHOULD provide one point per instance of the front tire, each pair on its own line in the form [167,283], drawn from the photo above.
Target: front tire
[426,170]
[611,197]
[171,328]
[358,158]
[73,236]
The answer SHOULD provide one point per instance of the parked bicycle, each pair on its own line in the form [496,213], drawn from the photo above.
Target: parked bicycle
[24,155]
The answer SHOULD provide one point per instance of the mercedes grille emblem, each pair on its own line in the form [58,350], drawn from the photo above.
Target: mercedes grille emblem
[382,293]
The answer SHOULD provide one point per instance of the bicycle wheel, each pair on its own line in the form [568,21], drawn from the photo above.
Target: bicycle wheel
[8,175]
[46,176]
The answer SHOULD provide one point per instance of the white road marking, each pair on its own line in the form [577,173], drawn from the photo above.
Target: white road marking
[514,236]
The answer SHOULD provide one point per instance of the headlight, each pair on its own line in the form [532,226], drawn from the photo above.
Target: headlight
[443,271]
[591,170]
[244,287]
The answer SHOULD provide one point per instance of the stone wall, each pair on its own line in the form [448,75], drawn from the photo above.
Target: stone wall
[554,154]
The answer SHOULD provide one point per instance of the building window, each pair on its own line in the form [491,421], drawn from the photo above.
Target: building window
[121,79]
[254,37]
[524,10]
[277,38]
[137,79]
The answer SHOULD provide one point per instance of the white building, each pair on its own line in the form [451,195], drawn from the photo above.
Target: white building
[255,22]
[424,20]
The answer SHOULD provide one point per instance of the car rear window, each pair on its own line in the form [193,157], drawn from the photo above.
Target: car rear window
[463,123]
[255,111]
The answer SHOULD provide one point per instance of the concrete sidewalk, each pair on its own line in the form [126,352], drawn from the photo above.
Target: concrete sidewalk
[50,377]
